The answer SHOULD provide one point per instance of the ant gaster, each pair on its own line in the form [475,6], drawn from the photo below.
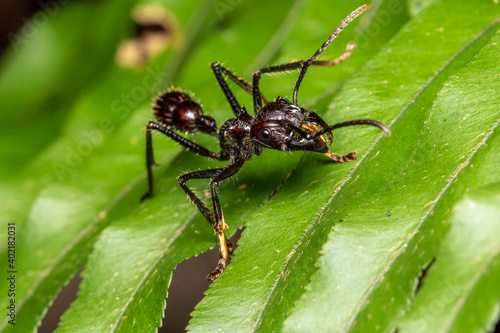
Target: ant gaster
[281,125]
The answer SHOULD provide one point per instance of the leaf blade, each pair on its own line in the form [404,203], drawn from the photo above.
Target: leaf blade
[371,311]
[471,252]
[261,283]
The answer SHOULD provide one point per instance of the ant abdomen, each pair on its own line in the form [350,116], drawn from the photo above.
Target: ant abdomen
[175,109]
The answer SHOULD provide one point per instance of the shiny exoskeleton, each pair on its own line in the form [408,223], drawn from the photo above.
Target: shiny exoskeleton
[281,125]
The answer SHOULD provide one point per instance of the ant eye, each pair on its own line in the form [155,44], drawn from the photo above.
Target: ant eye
[265,135]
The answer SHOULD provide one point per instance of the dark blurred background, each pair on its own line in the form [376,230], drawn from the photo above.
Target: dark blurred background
[13,14]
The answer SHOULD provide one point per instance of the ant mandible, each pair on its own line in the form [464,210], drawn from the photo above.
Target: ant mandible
[281,125]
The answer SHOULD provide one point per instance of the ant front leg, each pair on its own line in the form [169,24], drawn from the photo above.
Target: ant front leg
[341,158]
[218,223]
[150,161]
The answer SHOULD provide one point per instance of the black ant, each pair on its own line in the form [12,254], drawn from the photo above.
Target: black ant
[281,125]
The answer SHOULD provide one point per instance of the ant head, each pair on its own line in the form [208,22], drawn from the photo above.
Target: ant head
[282,125]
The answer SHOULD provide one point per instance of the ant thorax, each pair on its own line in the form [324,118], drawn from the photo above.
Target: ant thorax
[234,138]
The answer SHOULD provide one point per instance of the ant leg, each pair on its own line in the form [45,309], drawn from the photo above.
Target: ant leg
[225,247]
[350,156]
[309,61]
[257,97]
[293,66]
[341,158]
[211,173]
[190,145]
[218,68]
[343,57]
[150,161]
[304,64]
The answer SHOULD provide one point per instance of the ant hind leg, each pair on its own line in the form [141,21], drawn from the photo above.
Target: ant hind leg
[218,222]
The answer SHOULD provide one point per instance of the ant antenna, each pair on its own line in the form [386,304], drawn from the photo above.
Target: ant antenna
[375,123]
[325,130]
[309,61]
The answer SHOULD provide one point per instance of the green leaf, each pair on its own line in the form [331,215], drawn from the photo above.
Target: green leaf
[161,247]
[435,83]
[76,185]
[460,290]
[160,251]
[278,252]
[369,266]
